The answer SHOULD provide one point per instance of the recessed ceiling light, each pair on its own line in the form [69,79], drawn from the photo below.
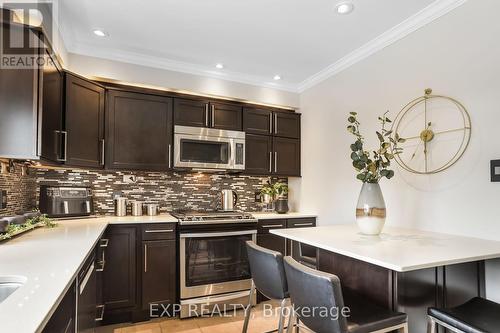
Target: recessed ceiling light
[100,33]
[344,7]
[277,77]
[219,66]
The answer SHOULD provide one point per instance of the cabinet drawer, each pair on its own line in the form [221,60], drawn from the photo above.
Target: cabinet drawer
[301,222]
[158,231]
[263,226]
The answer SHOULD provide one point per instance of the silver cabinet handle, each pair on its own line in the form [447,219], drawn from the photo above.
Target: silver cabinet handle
[275,123]
[87,206]
[206,114]
[85,280]
[270,161]
[272,226]
[103,148]
[66,207]
[169,155]
[213,115]
[302,224]
[102,262]
[145,258]
[275,161]
[101,317]
[159,231]
[104,242]
[65,149]
[271,123]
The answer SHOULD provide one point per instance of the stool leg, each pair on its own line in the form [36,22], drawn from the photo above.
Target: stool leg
[248,309]
[431,325]
[404,329]
[289,329]
[282,317]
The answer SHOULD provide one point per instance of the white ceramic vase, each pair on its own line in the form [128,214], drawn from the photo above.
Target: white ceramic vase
[370,210]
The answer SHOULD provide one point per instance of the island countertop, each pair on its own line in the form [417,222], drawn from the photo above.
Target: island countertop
[397,249]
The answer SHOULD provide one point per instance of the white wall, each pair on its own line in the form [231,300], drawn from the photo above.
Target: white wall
[91,66]
[457,55]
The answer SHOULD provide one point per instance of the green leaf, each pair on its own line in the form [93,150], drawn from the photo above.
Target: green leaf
[384,172]
[351,120]
[359,145]
[388,133]
[353,113]
[353,147]
[380,137]
[401,140]
[361,176]
[388,120]
[390,174]
[354,156]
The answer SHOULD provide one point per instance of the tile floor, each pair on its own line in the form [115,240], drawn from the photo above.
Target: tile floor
[233,324]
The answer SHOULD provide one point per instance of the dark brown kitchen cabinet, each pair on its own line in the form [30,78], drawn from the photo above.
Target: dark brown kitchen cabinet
[226,116]
[188,112]
[158,273]
[258,121]
[119,283]
[84,115]
[203,113]
[286,124]
[138,131]
[64,317]
[286,159]
[258,154]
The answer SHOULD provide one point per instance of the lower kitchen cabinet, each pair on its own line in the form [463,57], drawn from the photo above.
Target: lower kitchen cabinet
[63,319]
[119,285]
[158,273]
[87,296]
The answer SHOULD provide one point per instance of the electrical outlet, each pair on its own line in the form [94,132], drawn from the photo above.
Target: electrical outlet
[129,179]
[3,199]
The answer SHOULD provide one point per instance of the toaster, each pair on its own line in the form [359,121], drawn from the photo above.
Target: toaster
[62,201]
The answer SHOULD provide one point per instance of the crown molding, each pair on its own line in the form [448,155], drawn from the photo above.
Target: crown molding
[430,13]
[177,66]
[425,16]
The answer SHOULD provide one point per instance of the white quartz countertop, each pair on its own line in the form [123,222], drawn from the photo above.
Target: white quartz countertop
[49,259]
[289,215]
[398,249]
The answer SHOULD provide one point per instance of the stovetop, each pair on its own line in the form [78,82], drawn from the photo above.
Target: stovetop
[213,217]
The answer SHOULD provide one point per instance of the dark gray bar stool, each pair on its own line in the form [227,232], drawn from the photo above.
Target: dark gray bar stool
[311,289]
[268,276]
[478,315]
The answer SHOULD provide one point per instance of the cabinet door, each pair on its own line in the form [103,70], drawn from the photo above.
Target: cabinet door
[87,296]
[287,124]
[52,89]
[120,275]
[257,121]
[286,156]
[226,116]
[258,154]
[158,273]
[189,112]
[84,122]
[138,131]
[63,318]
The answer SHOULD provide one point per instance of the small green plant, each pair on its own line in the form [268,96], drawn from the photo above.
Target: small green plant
[268,189]
[281,189]
[373,166]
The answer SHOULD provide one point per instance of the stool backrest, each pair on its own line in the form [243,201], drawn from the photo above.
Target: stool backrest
[268,273]
[316,297]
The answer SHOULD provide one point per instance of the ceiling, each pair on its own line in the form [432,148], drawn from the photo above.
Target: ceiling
[255,40]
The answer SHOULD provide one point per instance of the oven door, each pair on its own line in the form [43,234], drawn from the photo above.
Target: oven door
[213,263]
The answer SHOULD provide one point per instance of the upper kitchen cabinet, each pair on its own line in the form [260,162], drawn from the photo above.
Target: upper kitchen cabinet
[188,112]
[202,113]
[226,116]
[84,123]
[258,121]
[258,154]
[286,157]
[30,100]
[286,124]
[138,131]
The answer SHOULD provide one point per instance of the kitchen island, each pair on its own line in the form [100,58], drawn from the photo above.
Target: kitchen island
[403,269]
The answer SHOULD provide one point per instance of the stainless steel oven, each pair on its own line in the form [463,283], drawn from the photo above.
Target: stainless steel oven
[214,269]
[208,148]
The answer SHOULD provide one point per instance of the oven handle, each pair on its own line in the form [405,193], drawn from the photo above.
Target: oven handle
[218,234]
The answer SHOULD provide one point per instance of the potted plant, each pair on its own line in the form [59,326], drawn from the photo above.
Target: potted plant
[371,167]
[281,203]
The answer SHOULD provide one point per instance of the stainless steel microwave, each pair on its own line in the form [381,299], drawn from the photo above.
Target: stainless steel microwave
[208,148]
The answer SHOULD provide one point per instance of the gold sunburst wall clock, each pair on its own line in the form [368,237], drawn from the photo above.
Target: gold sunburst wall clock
[437,131]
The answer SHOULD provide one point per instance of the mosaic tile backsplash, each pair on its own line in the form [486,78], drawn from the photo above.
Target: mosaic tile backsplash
[21,191]
[171,190]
